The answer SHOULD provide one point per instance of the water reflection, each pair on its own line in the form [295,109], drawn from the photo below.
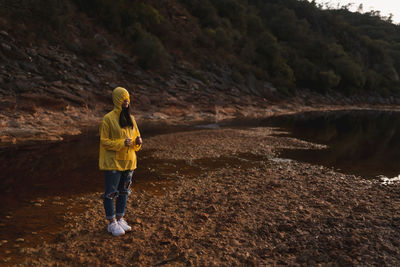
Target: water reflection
[365,143]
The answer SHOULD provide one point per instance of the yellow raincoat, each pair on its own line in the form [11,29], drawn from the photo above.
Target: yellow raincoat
[114,155]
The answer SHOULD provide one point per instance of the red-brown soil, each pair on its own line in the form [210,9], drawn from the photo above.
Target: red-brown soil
[244,207]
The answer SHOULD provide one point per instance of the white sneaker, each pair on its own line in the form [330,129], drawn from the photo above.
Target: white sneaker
[124,225]
[115,229]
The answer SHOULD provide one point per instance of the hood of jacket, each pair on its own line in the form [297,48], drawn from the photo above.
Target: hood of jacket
[119,95]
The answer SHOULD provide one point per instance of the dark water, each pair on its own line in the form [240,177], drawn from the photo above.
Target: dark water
[365,143]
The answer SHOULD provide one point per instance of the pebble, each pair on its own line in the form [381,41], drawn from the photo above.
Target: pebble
[236,243]
[6,46]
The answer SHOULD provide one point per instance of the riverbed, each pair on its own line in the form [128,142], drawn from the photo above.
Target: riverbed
[222,196]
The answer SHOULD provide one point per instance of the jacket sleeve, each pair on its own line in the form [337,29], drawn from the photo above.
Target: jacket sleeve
[106,141]
[137,133]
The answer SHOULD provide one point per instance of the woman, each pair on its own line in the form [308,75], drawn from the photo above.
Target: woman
[118,159]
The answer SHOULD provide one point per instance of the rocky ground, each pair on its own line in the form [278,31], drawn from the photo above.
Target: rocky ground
[234,202]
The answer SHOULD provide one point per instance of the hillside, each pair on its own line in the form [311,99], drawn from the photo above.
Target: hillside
[186,61]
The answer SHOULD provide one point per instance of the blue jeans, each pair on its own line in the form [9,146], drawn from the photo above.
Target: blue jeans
[117,187]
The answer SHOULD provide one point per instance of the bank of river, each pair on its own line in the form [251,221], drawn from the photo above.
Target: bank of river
[226,198]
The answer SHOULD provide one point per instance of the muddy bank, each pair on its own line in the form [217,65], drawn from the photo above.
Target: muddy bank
[247,208]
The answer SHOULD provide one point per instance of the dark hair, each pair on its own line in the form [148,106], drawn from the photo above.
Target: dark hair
[125,117]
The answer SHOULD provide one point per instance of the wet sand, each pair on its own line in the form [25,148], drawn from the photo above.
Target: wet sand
[232,201]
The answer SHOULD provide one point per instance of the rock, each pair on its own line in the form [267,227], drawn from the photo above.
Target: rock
[27,107]
[8,104]
[40,100]
[5,47]
[6,139]
[32,52]
[156,116]
[92,79]
[28,66]
[19,240]
[174,111]
[65,95]
[143,102]
[112,85]
[4,33]
[58,84]
[22,86]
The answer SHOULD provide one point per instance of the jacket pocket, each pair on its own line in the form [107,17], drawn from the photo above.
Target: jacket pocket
[125,154]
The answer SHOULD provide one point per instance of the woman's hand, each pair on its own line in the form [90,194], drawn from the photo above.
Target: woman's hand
[138,141]
[128,142]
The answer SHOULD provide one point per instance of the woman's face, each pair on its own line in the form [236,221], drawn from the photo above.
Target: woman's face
[125,104]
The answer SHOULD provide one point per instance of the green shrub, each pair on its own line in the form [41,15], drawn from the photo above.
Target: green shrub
[254,25]
[350,72]
[222,39]
[206,13]
[150,52]
[283,75]
[148,16]
[305,72]
[210,41]
[373,81]
[198,74]
[269,57]
[232,10]
[248,53]
[328,80]
[267,51]
[237,77]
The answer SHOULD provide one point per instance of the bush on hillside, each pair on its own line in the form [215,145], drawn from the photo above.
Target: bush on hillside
[248,53]
[150,52]
[148,16]
[219,38]
[373,81]
[222,39]
[305,72]
[351,73]
[204,11]
[233,10]
[255,25]
[328,80]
